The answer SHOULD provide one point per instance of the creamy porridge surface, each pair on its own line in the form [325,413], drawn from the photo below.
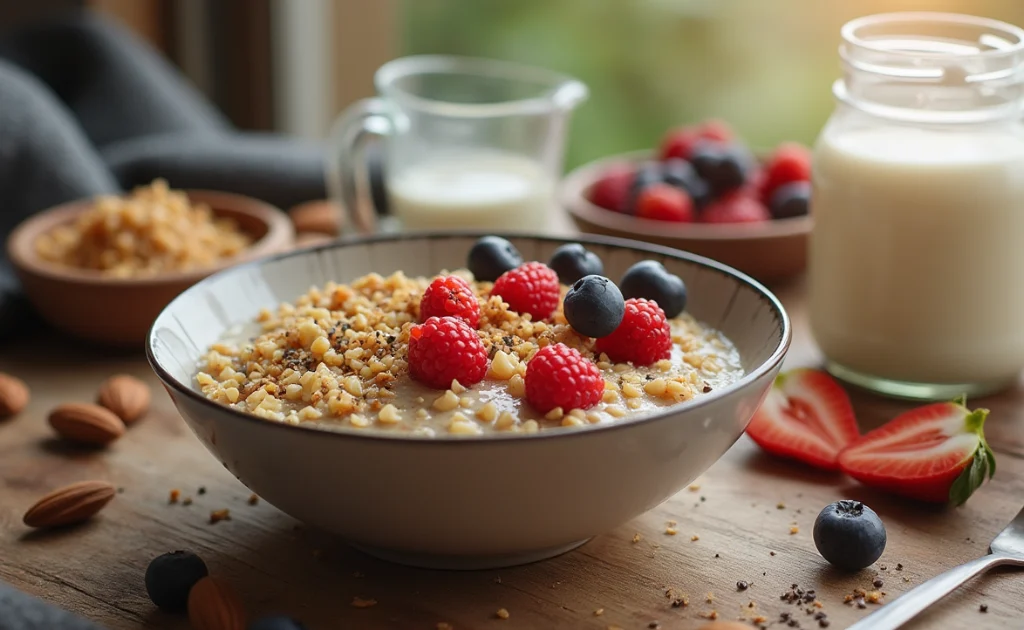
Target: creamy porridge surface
[335,359]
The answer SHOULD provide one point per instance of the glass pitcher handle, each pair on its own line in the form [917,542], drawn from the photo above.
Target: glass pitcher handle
[347,176]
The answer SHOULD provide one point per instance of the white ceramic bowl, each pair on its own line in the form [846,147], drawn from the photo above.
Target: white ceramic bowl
[466,502]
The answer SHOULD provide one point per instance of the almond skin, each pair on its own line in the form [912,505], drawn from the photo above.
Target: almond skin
[87,424]
[13,395]
[316,216]
[126,396]
[70,504]
[214,605]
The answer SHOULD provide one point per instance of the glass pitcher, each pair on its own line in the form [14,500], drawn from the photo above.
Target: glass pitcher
[466,144]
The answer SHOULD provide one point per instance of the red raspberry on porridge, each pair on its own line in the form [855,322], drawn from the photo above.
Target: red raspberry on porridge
[357,357]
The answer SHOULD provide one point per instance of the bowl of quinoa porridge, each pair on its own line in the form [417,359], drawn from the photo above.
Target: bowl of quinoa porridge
[102,269]
[443,407]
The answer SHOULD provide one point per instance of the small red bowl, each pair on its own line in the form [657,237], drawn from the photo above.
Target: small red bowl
[771,251]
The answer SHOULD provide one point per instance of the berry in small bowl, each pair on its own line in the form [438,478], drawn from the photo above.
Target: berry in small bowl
[704,191]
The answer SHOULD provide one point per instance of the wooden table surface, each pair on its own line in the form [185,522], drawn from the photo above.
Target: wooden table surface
[735,526]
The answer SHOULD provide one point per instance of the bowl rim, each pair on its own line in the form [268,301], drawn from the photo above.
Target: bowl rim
[572,196]
[776,358]
[23,257]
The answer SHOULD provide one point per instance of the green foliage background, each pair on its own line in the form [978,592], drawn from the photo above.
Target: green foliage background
[766,66]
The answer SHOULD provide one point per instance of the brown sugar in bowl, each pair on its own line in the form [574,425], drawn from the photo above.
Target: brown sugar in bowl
[118,312]
[771,251]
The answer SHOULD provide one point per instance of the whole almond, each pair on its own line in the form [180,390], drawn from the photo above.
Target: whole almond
[70,504]
[214,605]
[319,216]
[126,396]
[85,423]
[13,395]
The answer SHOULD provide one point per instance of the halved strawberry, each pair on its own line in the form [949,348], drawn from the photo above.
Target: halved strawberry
[806,416]
[935,453]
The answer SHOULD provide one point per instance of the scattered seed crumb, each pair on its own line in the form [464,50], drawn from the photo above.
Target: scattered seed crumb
[637,537]
[202,490]
[703,499]
[742,585]
[709,598]
[717,556]
[780,506]
[883,568]
[878,583]
[217,516]
[760,619]
[751,604]
[873,597]
[187,501]
[824,623]
[899,566]
[694,487]
[861,604]
[818,604]
[983,608]
[671,531]
[253,499]
[680,602]
[771,553]
[443,625]
[694,538]
[359,602]
[599,612]
[671,523]
[712,615]
[848,599]
[794,530]
[501,613]
[174,496]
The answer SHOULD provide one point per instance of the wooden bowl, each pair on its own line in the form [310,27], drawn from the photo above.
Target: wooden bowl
[119,311]
[770,251]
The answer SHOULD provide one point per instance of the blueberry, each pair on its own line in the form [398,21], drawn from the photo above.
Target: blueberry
[171,576]
[791,200]
[492,256]
[594,306]
[647,174]
[723,167]
[572,261]
[849,535]
[649,279]
[276,622]
[681,174]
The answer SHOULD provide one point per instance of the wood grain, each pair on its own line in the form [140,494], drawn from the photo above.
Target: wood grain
[742,514]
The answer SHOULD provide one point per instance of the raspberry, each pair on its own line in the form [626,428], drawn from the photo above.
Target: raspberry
[663,202]
[443,349]
[735,208]
[642,338]
[611,191]
[450,296]
[791,162]
[559,376]
[529,288]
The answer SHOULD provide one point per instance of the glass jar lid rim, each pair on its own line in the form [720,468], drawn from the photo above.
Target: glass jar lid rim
[850,30]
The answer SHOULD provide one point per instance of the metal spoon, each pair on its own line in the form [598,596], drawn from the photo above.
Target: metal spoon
[1007,548]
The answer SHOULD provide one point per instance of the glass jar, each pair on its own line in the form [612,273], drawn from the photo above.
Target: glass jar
[917,253]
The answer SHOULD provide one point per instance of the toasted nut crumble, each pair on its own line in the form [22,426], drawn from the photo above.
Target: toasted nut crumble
[217,516]
[501,613]
[336,358]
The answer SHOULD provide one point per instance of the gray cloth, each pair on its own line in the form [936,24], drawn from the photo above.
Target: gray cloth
[19,611]
[280,170]
[44,160]
[116,86]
